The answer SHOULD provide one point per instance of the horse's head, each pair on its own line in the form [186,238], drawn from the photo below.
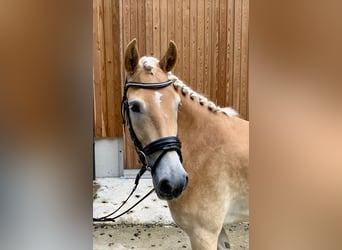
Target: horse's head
[152,106]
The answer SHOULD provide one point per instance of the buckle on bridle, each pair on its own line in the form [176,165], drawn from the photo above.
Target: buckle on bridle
[144,160]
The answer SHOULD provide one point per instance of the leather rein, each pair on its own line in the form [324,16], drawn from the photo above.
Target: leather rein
[163,145]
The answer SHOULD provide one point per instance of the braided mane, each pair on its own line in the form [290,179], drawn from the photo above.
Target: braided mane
[149,63]
[186,90]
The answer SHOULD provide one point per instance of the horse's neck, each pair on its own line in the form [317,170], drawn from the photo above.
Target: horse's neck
[196,123]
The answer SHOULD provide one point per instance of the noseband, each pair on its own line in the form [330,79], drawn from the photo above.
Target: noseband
[162,145]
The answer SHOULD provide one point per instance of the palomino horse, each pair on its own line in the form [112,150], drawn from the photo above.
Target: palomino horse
[206,182]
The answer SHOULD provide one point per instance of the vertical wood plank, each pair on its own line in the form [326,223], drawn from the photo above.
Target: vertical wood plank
[102,72]
[214,49]
[237,56]
[207,81]
[133,19]
[230,52]
[126,26]
[117,66]
[130,156]
[156,28]
[109,69]
[222,58]
[97,69]
[149,27]
[163,27]
[200,46]
[179,37]
[193,45]
[141,27]
[244,59]
[186,42]
[170,20]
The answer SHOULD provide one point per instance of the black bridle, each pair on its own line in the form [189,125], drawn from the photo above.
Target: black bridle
[163,145]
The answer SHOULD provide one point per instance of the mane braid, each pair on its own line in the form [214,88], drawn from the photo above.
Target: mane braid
[202,100]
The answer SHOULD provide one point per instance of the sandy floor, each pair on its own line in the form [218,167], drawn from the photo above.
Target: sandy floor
[161,237]
[149,225]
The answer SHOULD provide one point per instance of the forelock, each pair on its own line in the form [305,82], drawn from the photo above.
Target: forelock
[148,63]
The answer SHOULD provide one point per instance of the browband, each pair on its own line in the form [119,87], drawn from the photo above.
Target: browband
[156,85]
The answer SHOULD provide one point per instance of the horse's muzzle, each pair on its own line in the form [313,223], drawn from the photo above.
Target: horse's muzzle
[168,190]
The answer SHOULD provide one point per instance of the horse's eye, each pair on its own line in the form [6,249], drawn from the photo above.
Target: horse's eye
[135,107]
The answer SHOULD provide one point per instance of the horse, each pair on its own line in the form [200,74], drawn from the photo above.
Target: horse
[197,152]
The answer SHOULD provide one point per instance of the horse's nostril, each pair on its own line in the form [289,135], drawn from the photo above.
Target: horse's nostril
[165,187]
[186,182]
[170,190]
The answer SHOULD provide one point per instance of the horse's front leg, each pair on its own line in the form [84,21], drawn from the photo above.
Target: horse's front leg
[202,239]
[202,229]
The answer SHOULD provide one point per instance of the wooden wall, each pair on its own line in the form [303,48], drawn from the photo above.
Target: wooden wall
[212,42]
[107,68]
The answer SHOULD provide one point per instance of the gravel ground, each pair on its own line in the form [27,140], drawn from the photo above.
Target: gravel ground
[161,237]
[149,225]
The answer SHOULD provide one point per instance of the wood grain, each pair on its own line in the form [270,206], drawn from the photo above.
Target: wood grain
[212,42]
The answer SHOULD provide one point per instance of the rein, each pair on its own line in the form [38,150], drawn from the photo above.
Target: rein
[164,144]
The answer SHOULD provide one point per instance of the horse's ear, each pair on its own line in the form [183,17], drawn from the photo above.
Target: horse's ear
[131,56]
[169,60]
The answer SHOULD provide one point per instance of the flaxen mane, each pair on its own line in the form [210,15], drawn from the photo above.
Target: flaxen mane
[149,63]
[186,90]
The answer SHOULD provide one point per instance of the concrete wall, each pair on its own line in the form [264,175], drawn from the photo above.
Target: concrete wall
[108,157]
